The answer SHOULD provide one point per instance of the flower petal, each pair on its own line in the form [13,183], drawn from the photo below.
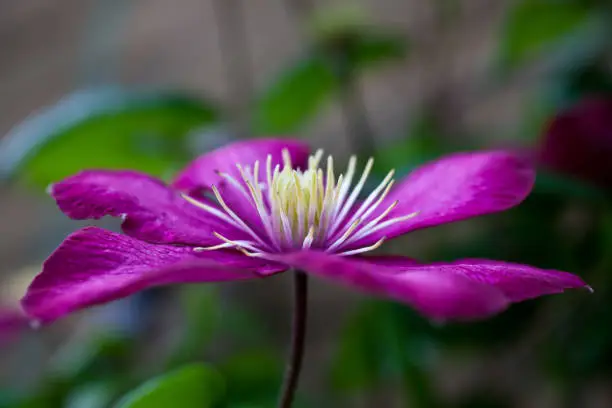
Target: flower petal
[454,188]
[151,210]
[518,282]
[94,266]
[392,261]
[202,173]
[434,292]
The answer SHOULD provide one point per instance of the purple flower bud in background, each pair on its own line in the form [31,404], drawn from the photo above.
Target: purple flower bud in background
[578,142]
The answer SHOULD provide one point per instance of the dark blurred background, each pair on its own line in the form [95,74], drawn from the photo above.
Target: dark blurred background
[151,84]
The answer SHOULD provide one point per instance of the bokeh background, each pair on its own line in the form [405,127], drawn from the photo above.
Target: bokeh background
[150,84]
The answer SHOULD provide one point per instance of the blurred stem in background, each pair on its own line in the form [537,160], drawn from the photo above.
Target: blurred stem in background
[352,101]
[338,48]
[298,339]
[236,56]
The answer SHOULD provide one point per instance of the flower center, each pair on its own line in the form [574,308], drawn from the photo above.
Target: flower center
[301,209]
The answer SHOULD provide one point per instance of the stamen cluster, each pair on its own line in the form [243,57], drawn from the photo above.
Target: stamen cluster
[304,209]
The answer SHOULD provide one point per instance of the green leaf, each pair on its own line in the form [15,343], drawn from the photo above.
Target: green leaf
[197,386]
[252,376]
[382,345]
[104,128]
[295,98]
[304,89]
[424,142]
[367,50]
[200,306]
[533,26]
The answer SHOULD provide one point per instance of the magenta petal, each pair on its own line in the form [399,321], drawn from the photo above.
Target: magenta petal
[150,209]
[457,187]
[434,292]
[202,173]
[518,282]
[392,261]
[94,266]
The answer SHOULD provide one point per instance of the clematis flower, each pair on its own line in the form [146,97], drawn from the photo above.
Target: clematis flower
[254,209]
[578,142]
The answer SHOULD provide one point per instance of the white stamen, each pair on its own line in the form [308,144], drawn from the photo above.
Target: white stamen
[345,184]
[356,190]
[309,238]
[236,184]
[210,210]
[367,207]
[237,244]
[214,247]
[344,237]
[235,216]
[393,221]
[364,249]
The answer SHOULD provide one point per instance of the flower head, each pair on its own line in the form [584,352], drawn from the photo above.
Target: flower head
[256,208]
[303,209]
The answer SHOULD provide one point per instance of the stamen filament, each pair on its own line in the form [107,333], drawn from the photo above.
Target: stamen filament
[343,238]
[235,216]
[237,244]
[356,190]
[370,225]
[210,210]
[364,249]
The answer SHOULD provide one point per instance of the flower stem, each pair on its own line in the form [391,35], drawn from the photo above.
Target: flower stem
[298,337]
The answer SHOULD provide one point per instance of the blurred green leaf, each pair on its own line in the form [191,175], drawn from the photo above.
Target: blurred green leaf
[108,128]
[304,88]
[422,143]
[52,393]
[379,346]
[196,386]
[295,98]
[92,359]
[7,398]
[253,377]
[579,348]
[201,306]
[366,50]
[592,78]
[533,26]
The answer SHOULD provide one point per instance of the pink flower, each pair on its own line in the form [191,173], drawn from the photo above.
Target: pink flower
[578,142]
[257,208]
